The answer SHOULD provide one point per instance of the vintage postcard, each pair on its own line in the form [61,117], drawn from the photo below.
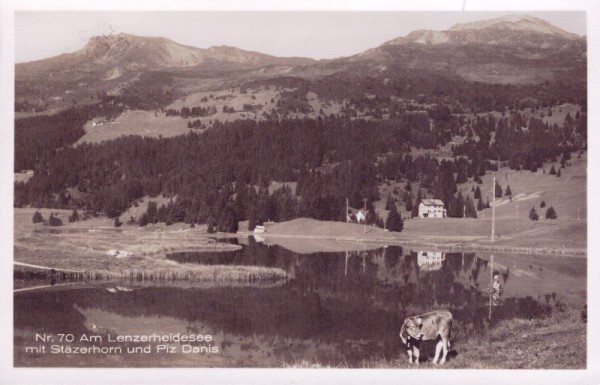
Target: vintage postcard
[299,189]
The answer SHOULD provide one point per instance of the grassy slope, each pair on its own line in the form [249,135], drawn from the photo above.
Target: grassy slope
[557,342]
[566,194]
[155,123]
[141,123]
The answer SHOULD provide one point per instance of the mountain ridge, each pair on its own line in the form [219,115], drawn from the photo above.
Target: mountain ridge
[514,49]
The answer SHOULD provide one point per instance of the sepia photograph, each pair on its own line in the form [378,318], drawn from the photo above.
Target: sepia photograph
[299,189]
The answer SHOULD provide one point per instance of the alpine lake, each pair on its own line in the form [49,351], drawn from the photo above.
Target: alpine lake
[336,308]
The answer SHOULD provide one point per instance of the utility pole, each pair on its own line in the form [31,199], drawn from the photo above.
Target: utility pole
[365,220]
[493,207]
[347,210]
[491,285]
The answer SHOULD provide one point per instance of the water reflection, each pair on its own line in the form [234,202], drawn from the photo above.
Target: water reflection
[336,307]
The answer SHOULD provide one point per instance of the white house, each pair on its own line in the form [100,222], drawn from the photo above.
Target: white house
[430,260]
[432,208]
[358,216]
[361,216]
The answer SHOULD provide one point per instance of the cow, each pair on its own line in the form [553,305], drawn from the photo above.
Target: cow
[427,327]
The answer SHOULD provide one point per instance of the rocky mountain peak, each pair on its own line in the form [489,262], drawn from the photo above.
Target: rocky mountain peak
[513,22]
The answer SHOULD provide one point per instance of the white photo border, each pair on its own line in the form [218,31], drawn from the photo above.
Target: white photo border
[11,375]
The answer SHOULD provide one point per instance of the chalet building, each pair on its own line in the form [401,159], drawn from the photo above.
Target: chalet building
[430,260]
[432,208]
[361,216]
[356,216]
[260,229]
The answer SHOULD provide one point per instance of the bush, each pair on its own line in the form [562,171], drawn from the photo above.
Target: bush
[144,220]
[74,216]
[543,204]
[54,221]
[211,223]
[37,217]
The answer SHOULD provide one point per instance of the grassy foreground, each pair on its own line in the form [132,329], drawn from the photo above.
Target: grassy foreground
[557,342]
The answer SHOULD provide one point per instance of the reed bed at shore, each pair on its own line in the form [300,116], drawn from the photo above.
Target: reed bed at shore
[198,273]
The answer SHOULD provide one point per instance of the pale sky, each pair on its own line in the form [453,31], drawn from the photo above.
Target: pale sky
[311,34]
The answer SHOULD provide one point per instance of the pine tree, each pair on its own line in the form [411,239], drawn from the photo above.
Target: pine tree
[228,221]
[394,221]
[533,215]
[461,176]
[507,192]
[480,205]
[144,220]
[558,174]
[477,194]
[415,209]
[409,204]
[552,170]
[470,211]
[37,217]
[252,223]
[117,222]
[551,213]
[498,190]
[407,187]
[152,212]
[390,203]
[460,205]
[372,216]
[543,204]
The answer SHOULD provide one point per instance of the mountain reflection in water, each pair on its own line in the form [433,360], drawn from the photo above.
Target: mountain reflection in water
[336,307]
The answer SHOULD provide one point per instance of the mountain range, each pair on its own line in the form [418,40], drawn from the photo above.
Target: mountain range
[514,49]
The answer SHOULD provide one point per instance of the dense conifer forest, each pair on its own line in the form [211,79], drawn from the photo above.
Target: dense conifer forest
[222,175]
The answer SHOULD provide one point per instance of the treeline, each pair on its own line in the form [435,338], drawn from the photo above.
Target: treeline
[428,87]
[521,143]
[37,138]
[222,176]
[194,112]
[331,159]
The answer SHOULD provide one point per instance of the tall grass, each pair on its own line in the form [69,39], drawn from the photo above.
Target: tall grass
[191,273]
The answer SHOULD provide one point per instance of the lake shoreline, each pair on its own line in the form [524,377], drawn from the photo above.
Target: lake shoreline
[456,245]
[556,342]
